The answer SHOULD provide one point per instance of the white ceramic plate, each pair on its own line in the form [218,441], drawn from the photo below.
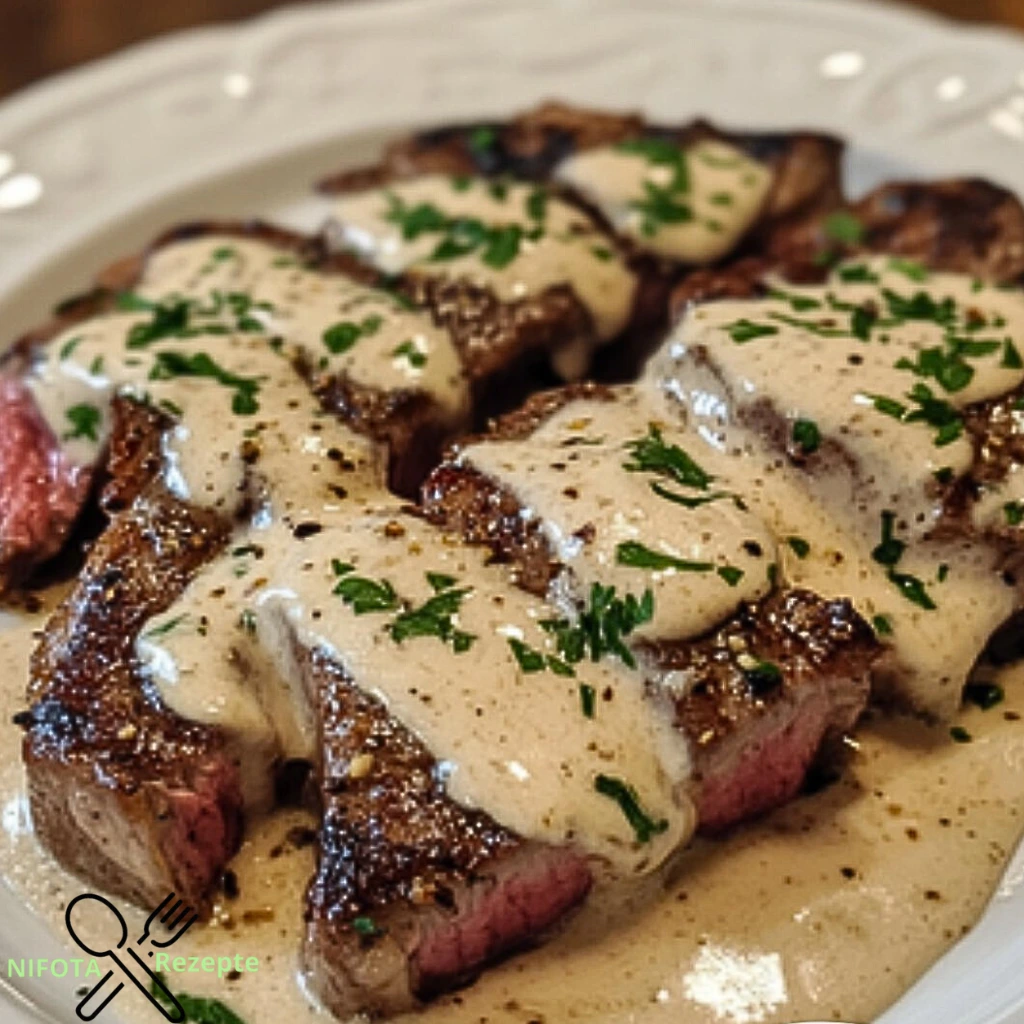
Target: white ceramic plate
[240,120]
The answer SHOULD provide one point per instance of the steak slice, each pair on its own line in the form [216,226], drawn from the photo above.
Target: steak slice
[806,166]
[124,793]
[967,225]
[766,697]
[754,731]
[413,894]
[43,490]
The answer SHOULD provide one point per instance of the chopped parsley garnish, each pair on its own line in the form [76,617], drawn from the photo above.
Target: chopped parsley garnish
[85,423]
[537,204]
[67,350]
[883,627]
[169,365]
[651,454]
[164,628]
[843,227]
[440,581]
[936,412]
[435,617]
[531,660]
[984,695]
[960,734]
[184,318]
[1011,356]
[498,245]
[857,273]
[890,550]
[366,927]
[638,556]
[197,1010]
[799,546]
[745,330]
[917,272]
[661,204]
[1014,513]
[588,700]
[947,367]
[481,140]
[361,594]
[800,303]
[408,351]
[601,628]
[644,826]
[888,553]
[806,436]
[340,337]
[762,676]
[730,574]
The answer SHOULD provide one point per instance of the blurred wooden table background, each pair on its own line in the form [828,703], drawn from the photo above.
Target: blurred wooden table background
[40,37]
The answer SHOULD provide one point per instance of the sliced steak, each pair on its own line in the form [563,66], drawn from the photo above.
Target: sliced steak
[124,793]
[755,731]
[43,488]
[42,491]
[806,166]
[413,895]
[960,224]
[767,696]
[873,462]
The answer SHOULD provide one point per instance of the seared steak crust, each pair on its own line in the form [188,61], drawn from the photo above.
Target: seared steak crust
[959,224]
[413,893]
[756,734]
[123,792]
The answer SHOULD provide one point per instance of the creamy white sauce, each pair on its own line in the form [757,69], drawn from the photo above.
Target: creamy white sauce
[393,348]
[837,509]
[692,204]
[518,746]
[601,517]
[760,928]
[251,310]
[555,244]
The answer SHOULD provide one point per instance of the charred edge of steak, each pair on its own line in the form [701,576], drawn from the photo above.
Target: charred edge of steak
[460,499]
[966,225]
[135,456]
[123,792]
[413,894]
[491,335]
[756,733]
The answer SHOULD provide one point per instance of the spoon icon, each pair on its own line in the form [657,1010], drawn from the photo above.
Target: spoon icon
[172,1010]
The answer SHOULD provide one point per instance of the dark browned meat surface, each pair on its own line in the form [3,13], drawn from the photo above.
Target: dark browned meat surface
[413,894]
[126,794]
[806,165]
[756,733]
[753,738]
[959,224]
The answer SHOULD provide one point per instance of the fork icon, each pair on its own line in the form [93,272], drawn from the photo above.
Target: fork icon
[174,917]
